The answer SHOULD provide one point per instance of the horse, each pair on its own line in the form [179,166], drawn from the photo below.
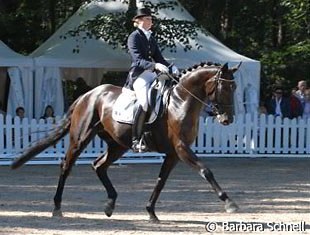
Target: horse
[172,134]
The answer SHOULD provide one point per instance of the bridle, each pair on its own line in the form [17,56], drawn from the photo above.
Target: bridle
[217,79]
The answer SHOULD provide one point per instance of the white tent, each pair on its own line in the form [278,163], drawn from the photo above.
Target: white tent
[19,68]
[96,55]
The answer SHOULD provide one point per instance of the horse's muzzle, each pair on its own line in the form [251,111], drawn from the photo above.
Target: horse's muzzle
[224,119]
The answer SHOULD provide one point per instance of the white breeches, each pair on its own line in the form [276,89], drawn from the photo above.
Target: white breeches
[141,87]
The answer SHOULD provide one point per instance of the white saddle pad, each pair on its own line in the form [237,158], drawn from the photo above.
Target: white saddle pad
[125,106]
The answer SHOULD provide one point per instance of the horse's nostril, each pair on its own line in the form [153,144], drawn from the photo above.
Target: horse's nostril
[225,122]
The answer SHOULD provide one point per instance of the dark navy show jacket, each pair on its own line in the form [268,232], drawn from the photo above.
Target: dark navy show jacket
[144,54]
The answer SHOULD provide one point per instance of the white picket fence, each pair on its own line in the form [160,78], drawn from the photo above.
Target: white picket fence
[248,136]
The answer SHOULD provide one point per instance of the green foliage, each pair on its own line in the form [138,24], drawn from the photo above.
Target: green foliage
[288,65]
[26,24]
[114,28]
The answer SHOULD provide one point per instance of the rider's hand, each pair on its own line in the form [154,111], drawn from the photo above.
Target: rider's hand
[161,68]
[175,71]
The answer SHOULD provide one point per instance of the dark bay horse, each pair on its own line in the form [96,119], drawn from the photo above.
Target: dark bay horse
[172,134]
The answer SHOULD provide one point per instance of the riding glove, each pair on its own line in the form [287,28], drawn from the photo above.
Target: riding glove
[161,68]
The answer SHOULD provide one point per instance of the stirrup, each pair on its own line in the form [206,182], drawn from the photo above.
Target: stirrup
[138,146]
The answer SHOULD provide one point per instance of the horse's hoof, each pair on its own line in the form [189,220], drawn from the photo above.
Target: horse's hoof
[57,213]
[108,211]
[154,219]
[109,208]
[231,207]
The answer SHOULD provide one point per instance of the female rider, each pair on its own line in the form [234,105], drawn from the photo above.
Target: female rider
[146,59]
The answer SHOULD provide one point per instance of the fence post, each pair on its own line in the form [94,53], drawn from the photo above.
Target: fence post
[286,135]
[262,133]
[308,136]
[240,133]
[2,134]
[293,136]
[270,134]
[301,129]
[208,130]
[278,134]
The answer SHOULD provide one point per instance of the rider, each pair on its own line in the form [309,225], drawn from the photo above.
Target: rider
[146,59]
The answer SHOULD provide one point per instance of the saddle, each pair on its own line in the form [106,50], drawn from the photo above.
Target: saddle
[126,104]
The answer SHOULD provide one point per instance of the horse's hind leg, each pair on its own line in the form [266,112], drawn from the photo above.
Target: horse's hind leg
[100,165]
[65,169]
[187,156]
[74,150]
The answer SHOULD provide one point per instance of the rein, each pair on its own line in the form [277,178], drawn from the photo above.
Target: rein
[189,92]
[217,78]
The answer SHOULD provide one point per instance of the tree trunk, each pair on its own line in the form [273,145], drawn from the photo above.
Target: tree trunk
[132,8]
[52,17]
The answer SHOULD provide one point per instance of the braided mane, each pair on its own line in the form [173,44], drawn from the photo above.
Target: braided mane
[198,66]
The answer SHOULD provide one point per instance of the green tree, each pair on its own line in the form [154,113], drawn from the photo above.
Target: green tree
[26,24]
[114,28]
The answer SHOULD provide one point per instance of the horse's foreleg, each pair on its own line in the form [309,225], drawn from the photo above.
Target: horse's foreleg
[101,165]
[187,156]
[168,164]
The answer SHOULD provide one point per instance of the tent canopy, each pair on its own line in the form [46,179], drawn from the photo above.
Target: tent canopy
[10,58]
[19,69]
[93,53]
[58,53]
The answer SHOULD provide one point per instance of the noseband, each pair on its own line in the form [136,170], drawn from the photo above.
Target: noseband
[217,79]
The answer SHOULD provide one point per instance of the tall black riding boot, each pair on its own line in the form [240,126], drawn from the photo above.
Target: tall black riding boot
[137,130]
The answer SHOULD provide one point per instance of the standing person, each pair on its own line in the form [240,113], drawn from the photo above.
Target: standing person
[300,93]
[80,88]
[296,106]
[146,60]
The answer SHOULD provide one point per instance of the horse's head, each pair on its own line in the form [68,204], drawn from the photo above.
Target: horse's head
[220,90]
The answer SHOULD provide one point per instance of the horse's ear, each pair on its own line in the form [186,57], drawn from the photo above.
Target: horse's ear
[234,69]
[225,67]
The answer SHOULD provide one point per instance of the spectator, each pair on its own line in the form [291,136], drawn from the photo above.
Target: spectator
[80,88]
[279,105]
[48,113]
[300,93]
[306,112]
[262,108]
[20,112]
[295,105]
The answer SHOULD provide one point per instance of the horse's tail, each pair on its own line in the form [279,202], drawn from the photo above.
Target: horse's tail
[44,143]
